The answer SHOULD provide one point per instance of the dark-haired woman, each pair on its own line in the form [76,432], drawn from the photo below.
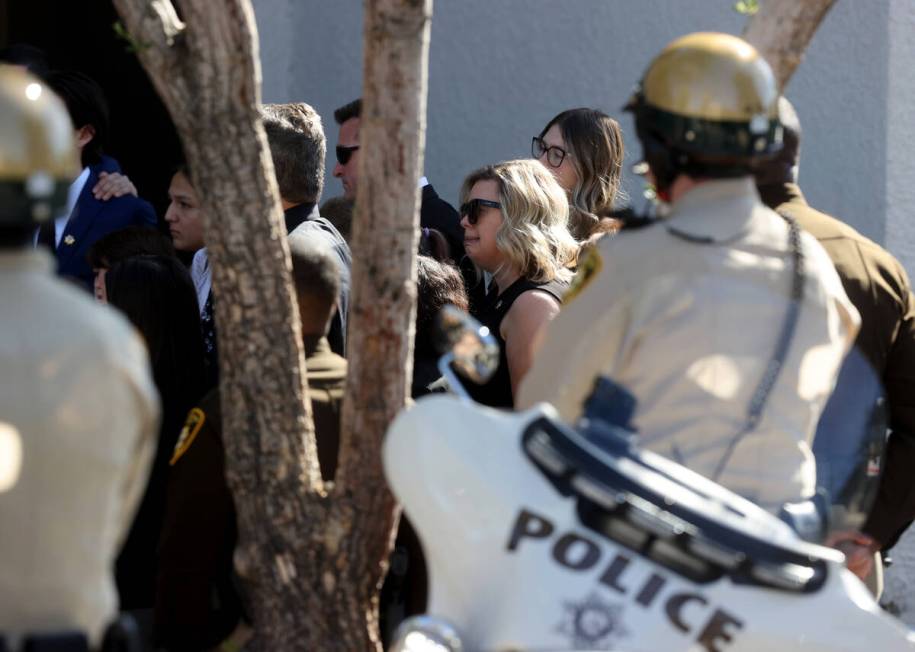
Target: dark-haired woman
[157,295]
[583,149]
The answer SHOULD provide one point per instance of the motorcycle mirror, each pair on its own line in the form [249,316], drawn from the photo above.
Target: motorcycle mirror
[426,634]
[468,345]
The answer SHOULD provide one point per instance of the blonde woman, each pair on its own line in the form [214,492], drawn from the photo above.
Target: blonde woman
[583,149]
[515,218]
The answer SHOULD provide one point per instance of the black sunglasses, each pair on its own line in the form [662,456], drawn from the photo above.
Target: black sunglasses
[554,155]
[344,154]
[473,207]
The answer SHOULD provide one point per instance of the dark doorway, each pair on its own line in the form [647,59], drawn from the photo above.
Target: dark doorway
[80,35]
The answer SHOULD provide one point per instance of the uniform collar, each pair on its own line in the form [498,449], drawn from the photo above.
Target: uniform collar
[295,215]
[26,259]
[774,195]
[717,210]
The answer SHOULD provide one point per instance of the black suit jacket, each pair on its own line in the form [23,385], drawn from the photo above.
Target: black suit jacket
[436,213]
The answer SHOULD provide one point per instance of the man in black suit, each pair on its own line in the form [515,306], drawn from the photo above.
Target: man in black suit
[87,217]
[434,212]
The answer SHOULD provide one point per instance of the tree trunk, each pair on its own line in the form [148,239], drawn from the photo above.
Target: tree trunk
[311,557]
[383,309]
[782,29]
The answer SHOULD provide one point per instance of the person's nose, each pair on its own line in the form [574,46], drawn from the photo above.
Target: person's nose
[338,170]
[170,214]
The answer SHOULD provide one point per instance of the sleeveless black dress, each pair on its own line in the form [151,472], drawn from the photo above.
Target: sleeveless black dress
[491,309]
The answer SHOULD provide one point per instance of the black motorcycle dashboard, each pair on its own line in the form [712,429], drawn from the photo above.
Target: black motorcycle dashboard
[654,508]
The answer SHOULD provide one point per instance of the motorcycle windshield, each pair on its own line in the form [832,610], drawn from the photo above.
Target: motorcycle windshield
[849,443]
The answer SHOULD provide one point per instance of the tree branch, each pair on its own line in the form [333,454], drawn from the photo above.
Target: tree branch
[154,25]
[782,29]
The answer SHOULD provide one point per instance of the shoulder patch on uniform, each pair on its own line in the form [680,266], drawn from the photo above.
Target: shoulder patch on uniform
[588,267]
[192,426]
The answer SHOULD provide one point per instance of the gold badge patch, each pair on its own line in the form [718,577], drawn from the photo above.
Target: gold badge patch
[192,426]
[588,267]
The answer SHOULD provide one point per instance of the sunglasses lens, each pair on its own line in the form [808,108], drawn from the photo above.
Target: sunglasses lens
[343,155]
[471,210]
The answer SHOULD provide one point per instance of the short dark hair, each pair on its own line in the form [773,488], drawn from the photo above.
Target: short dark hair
[437,284]
[86,103]
[434,244]
[32,58]
[317,281]
[298,147]
[348,111]
[339,212]
[128,242]
[157,295]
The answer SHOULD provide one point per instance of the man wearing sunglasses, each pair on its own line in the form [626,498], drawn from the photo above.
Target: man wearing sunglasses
[434,212]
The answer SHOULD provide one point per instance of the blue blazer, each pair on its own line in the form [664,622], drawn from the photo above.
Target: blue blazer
[92,219]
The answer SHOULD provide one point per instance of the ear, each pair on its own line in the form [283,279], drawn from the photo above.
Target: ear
[84,135]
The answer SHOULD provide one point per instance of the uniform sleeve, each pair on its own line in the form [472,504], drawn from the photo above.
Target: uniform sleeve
[894,509]
[196,606]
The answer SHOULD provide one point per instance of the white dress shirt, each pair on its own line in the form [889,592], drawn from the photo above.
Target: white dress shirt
[202,275]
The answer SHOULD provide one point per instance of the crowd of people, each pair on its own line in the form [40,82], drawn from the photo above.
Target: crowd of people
[725,317]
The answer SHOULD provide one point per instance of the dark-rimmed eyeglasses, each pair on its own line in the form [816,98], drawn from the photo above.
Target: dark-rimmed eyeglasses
[554,155]
[344,154]
[472,208]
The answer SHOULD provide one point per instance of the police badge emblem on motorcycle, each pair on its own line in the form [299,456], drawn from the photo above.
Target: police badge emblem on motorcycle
[593,623]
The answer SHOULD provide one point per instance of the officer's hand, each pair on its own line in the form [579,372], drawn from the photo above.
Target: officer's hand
[113,184]
[859,550]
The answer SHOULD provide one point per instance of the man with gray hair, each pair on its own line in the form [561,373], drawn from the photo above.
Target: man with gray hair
[298,147]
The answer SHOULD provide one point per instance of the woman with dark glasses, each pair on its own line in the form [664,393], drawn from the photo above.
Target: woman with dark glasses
[583,148]
[515,218]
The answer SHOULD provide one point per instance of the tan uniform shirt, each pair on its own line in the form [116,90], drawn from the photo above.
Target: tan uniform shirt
[689,328]
[79,412]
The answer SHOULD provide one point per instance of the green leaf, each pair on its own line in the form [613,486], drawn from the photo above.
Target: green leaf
[747,7]
[132,45]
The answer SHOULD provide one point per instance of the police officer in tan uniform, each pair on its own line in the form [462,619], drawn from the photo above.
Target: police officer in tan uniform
[197,603]
[879,288]
[693,313]
[78,409]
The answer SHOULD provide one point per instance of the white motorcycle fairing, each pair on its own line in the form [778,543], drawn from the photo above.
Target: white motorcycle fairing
[518,561]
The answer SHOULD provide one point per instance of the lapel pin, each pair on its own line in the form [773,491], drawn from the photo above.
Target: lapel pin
[69,240]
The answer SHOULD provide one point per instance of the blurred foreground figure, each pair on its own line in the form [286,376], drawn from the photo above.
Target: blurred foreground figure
[879,288]
[78,410]
[726,323]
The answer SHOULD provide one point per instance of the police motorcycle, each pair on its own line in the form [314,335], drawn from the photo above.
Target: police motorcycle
[542,536]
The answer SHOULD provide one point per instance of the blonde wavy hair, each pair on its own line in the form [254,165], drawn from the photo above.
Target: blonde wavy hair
[534,235]
[595,142]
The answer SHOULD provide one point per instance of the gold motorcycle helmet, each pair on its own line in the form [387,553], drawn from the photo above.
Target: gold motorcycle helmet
[707,106]
[38,159]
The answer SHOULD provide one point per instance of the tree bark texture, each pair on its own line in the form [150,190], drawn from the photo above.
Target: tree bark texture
[383,308]
[206,69]
[782,29]
[312,557]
